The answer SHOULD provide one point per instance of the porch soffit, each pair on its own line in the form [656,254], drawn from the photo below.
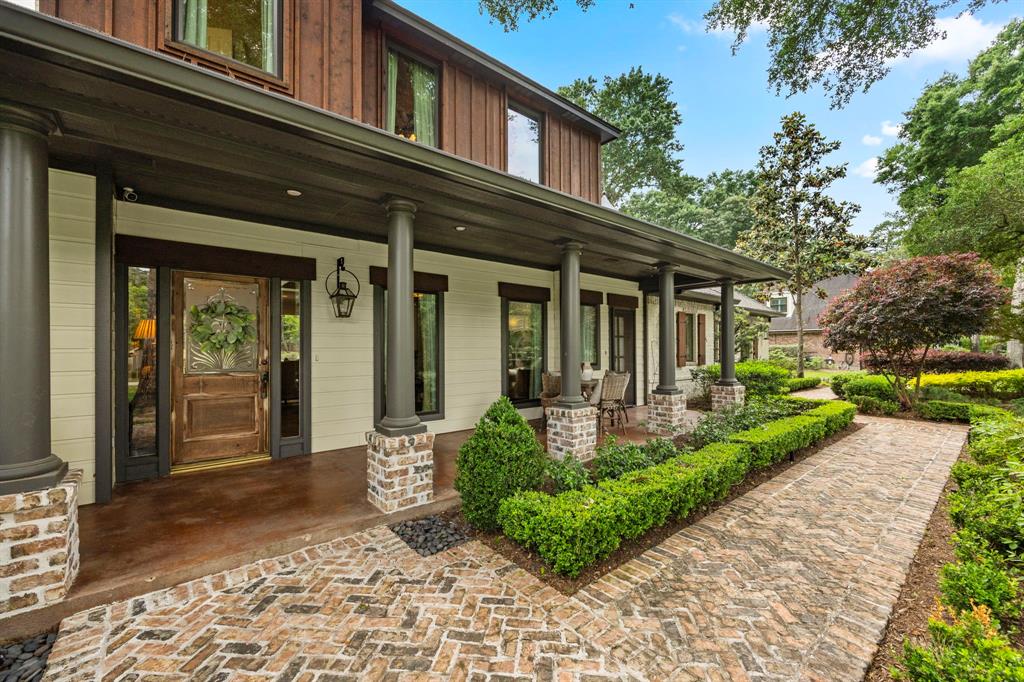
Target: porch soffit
[176,147]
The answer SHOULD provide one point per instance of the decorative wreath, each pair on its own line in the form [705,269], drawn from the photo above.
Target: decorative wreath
[222,326]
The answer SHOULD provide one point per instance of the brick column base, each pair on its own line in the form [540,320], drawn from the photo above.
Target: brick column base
[38,546]
[666,413]
[724,396]
[399,470]
[572,431]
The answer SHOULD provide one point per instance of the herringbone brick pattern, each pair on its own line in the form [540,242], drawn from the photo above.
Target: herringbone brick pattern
[793,580]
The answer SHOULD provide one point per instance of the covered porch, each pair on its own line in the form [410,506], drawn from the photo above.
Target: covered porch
[195,524]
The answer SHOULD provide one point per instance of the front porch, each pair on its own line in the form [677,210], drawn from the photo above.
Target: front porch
[159,533]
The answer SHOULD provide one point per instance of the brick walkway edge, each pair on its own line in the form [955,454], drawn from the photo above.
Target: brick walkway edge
[794,580]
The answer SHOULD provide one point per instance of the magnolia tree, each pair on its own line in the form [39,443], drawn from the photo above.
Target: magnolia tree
[900,312]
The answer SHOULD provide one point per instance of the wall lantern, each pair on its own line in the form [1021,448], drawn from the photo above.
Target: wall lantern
[342,298]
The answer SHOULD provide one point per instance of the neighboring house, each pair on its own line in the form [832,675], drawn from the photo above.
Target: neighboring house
[783,329]
[184,185]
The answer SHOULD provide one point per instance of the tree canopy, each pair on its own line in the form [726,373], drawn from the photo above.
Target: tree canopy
[842,45]
[957,165]
[798,226]
[899,312]
[647,155]
[715,208]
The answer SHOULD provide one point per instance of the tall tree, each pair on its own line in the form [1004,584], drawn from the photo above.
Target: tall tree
[842,45]
[646,156]
[798,226]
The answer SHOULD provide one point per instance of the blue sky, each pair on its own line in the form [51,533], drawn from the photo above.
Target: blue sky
[728,111]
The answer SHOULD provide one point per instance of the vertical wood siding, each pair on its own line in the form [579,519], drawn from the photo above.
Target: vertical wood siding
[571,159]
[326,50]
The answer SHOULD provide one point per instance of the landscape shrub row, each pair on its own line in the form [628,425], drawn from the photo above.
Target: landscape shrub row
[802,383]
[761,378]
[945,361]
[578,528]
[1001,385]
[980,592]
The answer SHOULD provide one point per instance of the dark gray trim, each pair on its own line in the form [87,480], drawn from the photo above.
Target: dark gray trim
[274,362]
[163,370]
[504,347]
[378,357]
[104,266]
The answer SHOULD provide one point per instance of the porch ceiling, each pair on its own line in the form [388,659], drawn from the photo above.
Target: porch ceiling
[183,136]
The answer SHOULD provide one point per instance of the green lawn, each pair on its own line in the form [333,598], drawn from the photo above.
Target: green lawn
[826,374]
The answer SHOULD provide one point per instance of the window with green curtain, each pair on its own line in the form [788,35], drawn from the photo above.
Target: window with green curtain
[589,335]
[524,350]
[246,31]
[426,352]
[412,91]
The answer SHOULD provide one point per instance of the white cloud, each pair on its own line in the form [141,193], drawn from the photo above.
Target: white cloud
[871,140]
[890,129]
[966,36]
[867,168]
[697,27]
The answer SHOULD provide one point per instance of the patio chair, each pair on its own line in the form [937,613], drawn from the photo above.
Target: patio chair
[551,391]
[613,401]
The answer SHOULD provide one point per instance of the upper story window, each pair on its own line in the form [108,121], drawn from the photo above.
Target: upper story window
[245,31]
[779,304]
[524,136]
[412,95]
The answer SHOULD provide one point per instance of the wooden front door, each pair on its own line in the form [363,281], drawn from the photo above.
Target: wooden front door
[623,347]
[219,373]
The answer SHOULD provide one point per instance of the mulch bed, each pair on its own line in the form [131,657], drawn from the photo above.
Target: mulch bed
[629,549]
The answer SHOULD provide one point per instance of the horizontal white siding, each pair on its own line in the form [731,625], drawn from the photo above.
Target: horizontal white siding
[72,324]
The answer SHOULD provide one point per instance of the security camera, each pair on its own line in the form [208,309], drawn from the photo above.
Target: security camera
[128,194]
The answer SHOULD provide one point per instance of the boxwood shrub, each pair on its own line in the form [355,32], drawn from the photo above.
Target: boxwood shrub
[802,383]
[760,378]
[502,457]
[870,405]
[575,529]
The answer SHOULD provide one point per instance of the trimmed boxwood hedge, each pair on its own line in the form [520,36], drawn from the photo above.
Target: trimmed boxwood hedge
[576,529]
[802,383]
[1004,385]
[943,410]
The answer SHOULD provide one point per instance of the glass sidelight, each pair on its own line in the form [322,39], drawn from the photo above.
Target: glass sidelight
[291,358]
[142,356]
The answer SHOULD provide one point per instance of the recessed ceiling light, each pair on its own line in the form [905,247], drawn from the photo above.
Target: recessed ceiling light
[293,192]
[461,228]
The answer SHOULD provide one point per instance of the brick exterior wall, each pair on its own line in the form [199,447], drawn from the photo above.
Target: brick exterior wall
[38,546]
[399,470]
[724,396]
[814,345]
[666,413]
[572,431]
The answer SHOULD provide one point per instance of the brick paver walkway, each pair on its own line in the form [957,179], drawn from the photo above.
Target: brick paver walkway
[793,580]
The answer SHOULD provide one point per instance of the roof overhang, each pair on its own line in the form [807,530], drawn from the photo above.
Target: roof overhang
[187,137]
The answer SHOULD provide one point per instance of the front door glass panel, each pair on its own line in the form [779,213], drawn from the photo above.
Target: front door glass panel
[221,326]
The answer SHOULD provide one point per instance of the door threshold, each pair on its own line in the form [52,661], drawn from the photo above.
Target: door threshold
[219,463]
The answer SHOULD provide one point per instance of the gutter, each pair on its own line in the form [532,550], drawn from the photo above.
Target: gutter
[58,37]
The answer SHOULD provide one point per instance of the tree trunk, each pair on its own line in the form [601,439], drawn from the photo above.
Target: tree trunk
[976,343]
[799,312]
[1015,347]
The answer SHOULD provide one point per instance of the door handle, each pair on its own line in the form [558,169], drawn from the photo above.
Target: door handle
[264,383]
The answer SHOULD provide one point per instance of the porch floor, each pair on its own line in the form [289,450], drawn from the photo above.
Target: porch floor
[154,534]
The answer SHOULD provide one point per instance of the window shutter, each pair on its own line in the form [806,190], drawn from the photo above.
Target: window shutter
[702,341]
[680,339]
